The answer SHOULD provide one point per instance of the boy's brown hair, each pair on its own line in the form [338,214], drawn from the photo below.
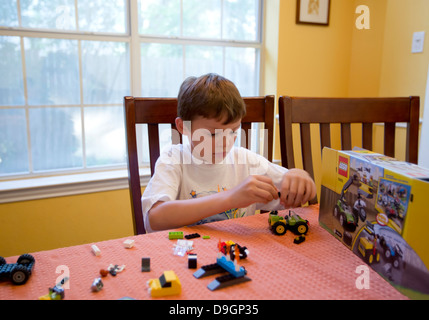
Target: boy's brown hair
[210,96]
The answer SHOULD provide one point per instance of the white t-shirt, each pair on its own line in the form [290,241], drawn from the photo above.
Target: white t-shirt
[179,176]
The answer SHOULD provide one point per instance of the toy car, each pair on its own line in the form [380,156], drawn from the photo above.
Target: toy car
[368,250]
[167,284]
[392,252]
[293,222]
[344,214]
[18,272]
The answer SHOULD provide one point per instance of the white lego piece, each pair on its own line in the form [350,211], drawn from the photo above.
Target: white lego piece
[129,243]
[95,250]
[182,247]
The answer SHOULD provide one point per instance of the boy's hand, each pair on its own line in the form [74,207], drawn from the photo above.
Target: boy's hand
[255,189]
[297,188]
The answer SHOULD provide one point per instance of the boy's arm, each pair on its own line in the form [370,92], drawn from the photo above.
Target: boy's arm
[178,213]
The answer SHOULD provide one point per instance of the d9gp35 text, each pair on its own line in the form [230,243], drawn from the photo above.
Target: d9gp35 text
[235,309]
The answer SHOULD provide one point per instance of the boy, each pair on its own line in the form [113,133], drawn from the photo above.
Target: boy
[208,179]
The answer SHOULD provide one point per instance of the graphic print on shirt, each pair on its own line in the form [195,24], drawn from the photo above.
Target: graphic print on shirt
[229,214]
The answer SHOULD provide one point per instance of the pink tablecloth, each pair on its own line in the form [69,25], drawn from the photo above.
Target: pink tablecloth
[319,268]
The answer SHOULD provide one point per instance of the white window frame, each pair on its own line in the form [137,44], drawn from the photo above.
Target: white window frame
[48,184]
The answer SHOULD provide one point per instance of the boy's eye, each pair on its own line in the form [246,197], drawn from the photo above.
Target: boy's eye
[220,133]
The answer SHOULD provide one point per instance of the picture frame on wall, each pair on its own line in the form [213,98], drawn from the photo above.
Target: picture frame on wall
[315,12]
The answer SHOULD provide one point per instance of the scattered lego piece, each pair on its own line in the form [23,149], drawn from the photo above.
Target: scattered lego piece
[206,237]
[57,292]
[115,269]
[104,272]
[167,284]
[128,244]
[175,235]
[182,247]
[145,264]
[192,261]
[299,239]
[18,272]
[192,236]
[95,250]
[97,285]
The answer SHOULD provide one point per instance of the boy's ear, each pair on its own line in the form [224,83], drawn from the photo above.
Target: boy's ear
[184,127]
[179,125]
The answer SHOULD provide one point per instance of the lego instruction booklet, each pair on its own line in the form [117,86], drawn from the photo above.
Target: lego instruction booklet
[375,205]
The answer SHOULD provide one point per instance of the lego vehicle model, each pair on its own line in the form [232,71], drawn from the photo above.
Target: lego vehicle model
[166,285]
[18,272]
[368,245]
[347,216]
[235,273]
[368,250]
[279,225]
[342,211]
[392,252]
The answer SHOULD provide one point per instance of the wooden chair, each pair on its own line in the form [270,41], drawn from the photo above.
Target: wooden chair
[346,111]
[155,111]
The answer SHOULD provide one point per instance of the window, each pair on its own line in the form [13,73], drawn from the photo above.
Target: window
[67,64]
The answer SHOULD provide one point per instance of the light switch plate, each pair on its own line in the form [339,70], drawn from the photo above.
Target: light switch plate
[418,42]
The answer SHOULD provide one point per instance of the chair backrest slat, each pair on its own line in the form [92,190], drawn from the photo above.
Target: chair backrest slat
[367,130]
[325,134]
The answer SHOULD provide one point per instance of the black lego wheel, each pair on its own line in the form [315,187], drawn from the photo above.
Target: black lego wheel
[25,259]
[19,275]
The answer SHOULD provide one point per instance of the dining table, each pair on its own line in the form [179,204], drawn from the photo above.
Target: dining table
[277,267]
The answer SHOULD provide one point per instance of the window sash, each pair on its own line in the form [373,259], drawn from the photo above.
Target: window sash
[134,40]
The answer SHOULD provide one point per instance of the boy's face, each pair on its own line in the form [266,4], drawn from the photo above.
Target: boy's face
[210,139]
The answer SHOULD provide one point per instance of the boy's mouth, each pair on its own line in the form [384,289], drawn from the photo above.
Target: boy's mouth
[220,155]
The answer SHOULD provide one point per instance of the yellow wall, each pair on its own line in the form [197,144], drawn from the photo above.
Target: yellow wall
[402,72]
[337,60]
[36,225]
[314,60]
[366,51]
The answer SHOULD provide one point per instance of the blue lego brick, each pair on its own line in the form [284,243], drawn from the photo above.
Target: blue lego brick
[229,266]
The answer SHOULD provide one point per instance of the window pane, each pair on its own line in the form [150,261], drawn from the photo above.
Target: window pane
[105,71]
[240,20]
[8,13]
[48,14]
[162,69]
[13,141]
[159,17]
[203,59]
[104,136]
[202,18]
[241,68]
[52,71]
[56,138]
[142,144]
[12,85]
[102,16]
